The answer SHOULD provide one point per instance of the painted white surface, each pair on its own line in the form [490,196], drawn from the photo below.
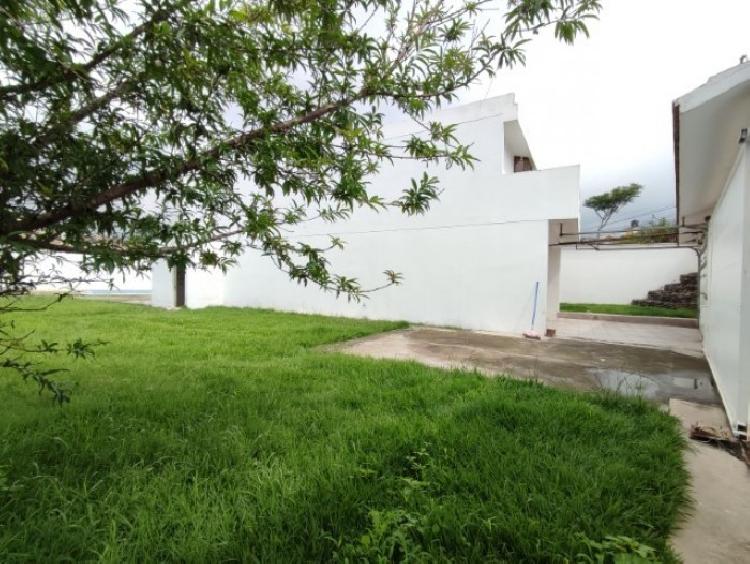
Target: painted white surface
[620,276]
[744,372]
[67,266]
[553,285]
[714,180]
[725,293]
[472,267]
[474,278]
[472,261]
[163,290]
[711,118]
[204,288]
[515,145]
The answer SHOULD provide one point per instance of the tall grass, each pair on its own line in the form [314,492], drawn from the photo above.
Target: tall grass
[225,435]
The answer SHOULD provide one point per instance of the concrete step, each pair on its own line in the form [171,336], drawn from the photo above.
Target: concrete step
[672,305]
[662,296]
[691,278]
[680,287]
[678,294]
[640,319]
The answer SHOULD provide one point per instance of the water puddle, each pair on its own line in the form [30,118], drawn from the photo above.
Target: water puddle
[625,383]
[687,385]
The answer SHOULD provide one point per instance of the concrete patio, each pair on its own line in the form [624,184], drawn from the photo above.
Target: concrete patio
[572,363]
[686,340]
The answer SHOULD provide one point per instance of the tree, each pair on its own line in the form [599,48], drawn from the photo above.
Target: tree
[192,130]
[608,204]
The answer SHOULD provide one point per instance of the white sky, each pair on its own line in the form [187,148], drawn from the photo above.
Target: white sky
[605,103]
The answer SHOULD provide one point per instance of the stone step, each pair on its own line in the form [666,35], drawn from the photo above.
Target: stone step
[678,294]
[677,289]
[671,296]
[680,287]
[670,305]
[691,278]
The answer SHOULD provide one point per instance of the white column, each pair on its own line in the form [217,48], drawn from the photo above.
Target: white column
[553,286]
[162,285]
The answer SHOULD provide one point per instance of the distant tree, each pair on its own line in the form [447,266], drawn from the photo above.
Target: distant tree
[608,204]
[132,130]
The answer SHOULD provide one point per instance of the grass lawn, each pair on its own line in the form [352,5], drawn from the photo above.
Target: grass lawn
[224,435]
[619,309]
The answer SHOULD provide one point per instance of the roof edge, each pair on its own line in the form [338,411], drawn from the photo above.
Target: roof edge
[717,85]
[676,149]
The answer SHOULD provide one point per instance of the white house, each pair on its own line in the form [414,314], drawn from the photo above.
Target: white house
[712,158]
[473,261]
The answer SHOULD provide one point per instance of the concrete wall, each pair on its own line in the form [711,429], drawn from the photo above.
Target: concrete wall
[466,263]
[163,290]
[725,293]
[620,276]
[204,288]
[67,266]
[472,261]
[463,263]
[475,278]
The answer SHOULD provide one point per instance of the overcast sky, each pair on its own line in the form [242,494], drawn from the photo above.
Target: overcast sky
[605,103]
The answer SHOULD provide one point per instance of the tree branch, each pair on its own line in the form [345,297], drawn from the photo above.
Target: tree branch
[155,177]
[83,112]
[68,73]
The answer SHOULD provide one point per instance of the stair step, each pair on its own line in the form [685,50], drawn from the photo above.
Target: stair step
[680,287]
[678,294]
[669,305]
[691,278]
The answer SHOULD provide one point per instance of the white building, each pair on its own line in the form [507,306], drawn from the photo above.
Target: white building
[473,261]
[712,157]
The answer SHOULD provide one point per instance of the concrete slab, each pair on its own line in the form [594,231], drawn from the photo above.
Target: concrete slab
[647,319]
[691,414]
[685,340]
[572,364]
[716,529]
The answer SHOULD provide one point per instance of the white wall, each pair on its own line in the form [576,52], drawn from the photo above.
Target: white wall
[553,285]
[620,276]
[725,297]
[163,291]
[507,160]
[67,266]
[744,372]
[204,288]
[471,261]
[474,278]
